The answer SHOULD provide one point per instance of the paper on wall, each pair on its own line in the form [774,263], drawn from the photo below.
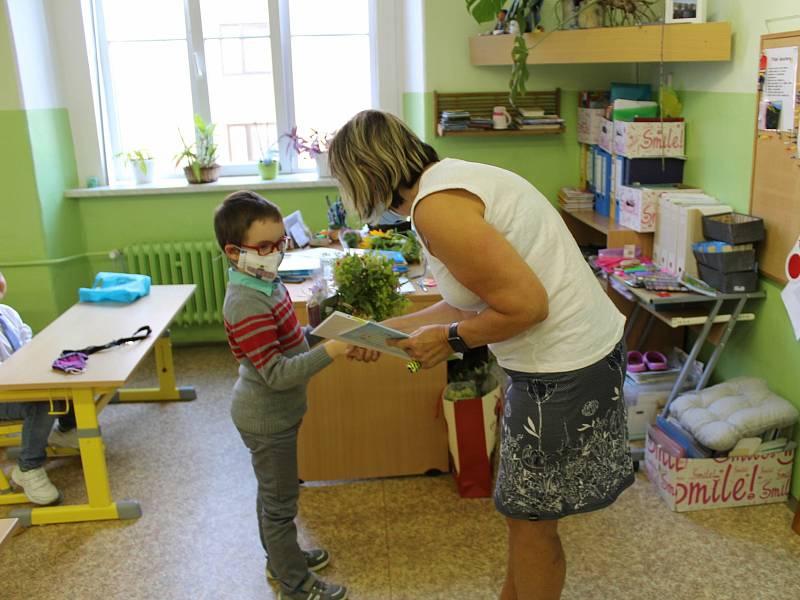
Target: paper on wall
[776,109]
[791,300]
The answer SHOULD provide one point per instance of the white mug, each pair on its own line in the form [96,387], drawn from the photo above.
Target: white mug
[501,117]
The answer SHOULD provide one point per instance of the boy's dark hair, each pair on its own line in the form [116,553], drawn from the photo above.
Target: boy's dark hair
[237,212]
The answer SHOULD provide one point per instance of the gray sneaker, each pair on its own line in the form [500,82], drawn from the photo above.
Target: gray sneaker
[315,589]
[316,560]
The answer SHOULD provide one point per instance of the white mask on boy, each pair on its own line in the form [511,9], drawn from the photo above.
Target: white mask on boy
[261,267]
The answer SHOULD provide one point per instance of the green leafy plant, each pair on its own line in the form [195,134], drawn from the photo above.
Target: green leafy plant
[351,238]
[406,243]
[138,158]
[616,13]
[367,287]
[475,379]
[203,152]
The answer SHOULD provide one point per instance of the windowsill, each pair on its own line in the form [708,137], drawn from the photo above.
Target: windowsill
[223,184]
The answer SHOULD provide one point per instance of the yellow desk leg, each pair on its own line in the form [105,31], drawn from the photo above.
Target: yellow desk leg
[95,476]
[166,390]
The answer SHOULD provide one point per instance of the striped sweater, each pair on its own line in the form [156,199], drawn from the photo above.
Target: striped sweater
[275,362]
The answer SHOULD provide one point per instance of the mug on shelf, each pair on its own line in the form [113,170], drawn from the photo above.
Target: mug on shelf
[500,117]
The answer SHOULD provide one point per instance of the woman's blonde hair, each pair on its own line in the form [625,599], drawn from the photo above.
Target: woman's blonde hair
[373,155]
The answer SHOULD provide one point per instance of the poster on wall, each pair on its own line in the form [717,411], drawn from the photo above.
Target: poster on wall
[776,109]
[791,293]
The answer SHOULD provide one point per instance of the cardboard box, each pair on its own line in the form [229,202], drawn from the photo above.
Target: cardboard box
[590,121]
[606,138]
[701,483]
[638,206]
[649,139]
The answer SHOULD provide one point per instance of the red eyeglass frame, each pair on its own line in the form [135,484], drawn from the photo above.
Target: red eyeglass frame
[281,245]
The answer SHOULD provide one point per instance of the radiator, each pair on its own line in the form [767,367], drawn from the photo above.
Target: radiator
[200,263]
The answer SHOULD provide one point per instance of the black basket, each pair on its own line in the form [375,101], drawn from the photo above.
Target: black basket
[728,262]
[730,283]
[734,228]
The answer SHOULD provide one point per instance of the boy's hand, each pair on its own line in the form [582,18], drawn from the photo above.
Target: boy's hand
[362,354]
[335,348]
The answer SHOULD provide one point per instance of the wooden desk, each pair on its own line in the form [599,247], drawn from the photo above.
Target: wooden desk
[27,376]
[7,527]
[372,420]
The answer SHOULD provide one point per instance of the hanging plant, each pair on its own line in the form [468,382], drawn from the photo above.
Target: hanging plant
[616,12]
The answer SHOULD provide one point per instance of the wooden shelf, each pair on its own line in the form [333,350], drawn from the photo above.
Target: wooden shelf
[481,104]
[683,42]
[498,132]
[595,220]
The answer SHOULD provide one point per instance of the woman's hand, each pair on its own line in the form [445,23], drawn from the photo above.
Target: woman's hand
[428,345]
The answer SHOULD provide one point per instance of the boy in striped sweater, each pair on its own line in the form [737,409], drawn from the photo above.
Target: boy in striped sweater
[269,398]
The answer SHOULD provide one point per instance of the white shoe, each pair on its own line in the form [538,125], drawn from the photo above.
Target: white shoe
[36,485]
[62,439]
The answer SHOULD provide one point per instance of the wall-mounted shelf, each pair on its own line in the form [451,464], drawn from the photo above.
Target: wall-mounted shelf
[481,104]
[683,42]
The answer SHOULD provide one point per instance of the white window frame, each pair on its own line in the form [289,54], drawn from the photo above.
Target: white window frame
[385,27]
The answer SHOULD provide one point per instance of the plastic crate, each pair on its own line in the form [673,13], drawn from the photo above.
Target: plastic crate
[734,228]
[728,262]
[729,283]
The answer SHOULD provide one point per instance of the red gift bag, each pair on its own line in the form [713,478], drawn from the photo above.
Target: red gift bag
[471,432]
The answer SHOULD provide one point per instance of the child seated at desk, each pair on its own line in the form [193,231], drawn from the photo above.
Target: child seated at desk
[269,398]
[29,474]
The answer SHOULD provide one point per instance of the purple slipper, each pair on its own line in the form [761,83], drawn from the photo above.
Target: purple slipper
[636,362]
[655,361]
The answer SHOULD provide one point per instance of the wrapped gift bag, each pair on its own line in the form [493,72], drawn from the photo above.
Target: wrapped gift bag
[471,432]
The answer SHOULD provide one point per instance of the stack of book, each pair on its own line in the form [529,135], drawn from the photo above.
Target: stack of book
[572,198]
[481,123]
[454,120]
[537,120]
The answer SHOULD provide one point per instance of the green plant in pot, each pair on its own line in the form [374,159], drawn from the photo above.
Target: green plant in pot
[367,287]
[268,163]
[142,163]
[201,157]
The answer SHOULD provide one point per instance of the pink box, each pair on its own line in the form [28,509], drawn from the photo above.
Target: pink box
[701,483]
[590,121]
[649,139]
[606,139]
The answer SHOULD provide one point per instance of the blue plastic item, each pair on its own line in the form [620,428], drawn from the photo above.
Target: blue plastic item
[116,287]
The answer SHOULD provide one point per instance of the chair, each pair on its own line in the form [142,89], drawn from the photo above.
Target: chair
[10,432]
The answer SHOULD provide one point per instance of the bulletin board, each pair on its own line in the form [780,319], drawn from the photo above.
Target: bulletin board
[775,192]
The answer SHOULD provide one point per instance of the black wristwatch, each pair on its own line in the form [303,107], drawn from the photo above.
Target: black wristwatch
[456,342]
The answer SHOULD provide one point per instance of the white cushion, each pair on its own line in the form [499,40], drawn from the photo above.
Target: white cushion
[719,416]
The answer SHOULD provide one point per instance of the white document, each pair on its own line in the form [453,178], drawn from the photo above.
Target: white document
[778,95]
[791,300]
[358,332]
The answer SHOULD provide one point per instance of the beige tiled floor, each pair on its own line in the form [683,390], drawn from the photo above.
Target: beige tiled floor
[407,538]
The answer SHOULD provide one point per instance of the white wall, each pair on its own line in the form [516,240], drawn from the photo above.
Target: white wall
[34,54]
[414,45]
[749,19]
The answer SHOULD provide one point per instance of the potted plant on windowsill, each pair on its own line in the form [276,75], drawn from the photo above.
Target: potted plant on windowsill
[142,163]
[268,164]
[315,146]
[201,157]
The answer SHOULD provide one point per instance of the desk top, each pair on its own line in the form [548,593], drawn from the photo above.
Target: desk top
[87,324]
[654,299]
[7,526]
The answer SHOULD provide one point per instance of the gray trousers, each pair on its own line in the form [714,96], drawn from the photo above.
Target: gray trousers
[274,458]
[35,430]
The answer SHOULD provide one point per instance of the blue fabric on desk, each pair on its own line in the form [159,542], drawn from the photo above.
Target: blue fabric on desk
[116,287]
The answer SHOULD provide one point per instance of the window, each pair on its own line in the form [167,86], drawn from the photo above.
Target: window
[253,67]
